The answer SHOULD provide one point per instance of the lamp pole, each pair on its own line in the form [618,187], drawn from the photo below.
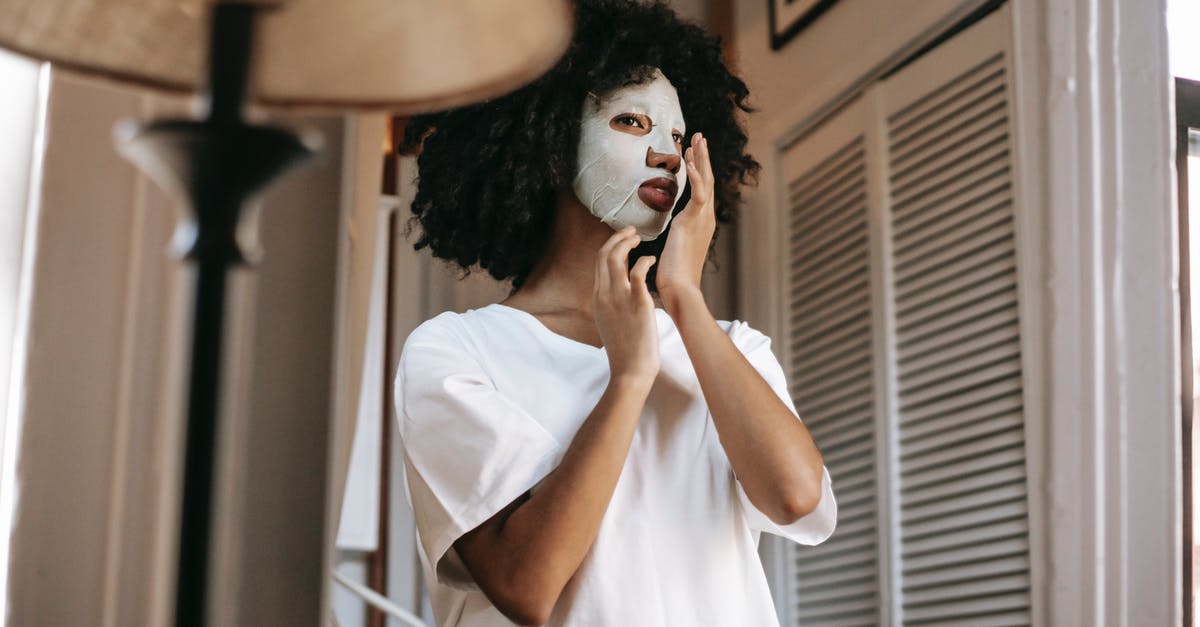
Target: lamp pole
[217,165]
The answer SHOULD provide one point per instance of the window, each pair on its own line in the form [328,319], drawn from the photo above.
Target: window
[22,119]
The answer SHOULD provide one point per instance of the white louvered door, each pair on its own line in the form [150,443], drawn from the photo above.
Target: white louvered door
[830,365]
[904,345]
[964,515]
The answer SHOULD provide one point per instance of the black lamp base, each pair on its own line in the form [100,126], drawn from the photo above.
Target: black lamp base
[215,166]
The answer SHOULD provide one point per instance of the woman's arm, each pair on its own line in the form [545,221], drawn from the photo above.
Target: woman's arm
[524,555]
[770,450]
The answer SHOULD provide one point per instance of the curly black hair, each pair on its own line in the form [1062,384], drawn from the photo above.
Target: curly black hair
[489,174]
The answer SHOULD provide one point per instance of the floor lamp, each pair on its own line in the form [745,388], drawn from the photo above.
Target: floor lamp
[404,56]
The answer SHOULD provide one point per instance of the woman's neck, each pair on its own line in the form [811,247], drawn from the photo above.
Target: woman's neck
[562,280]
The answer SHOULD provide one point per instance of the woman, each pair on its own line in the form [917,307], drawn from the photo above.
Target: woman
[575,455]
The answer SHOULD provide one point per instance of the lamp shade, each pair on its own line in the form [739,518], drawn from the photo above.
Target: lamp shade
[406,56]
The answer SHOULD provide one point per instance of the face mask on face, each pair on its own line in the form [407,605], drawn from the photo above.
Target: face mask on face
[628,169]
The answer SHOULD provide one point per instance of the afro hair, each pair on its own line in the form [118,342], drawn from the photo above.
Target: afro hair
[490,174]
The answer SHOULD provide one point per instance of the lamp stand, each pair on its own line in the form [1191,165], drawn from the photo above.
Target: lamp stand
[216,164]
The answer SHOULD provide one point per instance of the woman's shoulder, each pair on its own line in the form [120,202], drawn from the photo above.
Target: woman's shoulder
[442,328]
[449,329]
[744,336]
[736,329]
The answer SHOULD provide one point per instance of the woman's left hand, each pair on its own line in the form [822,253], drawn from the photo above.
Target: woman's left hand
[686,249]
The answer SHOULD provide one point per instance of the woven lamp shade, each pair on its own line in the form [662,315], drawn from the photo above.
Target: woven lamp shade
[405,56]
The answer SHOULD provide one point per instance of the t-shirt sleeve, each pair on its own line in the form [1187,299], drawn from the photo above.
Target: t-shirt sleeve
[469,450]
[817,525]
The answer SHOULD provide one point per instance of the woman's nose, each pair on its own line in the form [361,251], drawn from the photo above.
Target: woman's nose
[667,161]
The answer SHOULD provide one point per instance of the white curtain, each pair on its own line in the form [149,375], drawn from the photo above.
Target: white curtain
[359,367]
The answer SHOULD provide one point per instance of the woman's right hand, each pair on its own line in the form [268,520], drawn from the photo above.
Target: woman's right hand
[624,310]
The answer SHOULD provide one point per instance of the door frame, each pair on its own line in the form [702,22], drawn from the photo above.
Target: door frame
[1187,116]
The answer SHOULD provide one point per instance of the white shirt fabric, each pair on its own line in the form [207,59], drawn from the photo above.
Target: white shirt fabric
[489,400]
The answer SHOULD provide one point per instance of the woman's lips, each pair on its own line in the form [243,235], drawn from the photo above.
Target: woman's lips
[659,194]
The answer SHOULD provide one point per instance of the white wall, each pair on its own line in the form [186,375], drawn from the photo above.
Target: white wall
[1096,106]
[280,463]
[97,469]
[69,458]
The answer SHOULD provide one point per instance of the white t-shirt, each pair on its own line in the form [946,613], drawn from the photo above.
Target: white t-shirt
[488,402]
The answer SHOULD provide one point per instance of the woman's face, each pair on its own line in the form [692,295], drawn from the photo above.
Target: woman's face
[628,167]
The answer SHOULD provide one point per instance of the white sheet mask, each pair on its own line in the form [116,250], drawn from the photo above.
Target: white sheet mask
[612,164]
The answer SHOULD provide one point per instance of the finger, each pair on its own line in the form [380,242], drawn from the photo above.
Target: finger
[700,171]
[603,276]
[613,239]
[637,276]
[618,260]
[700,156]
[689,163]
[704,161]
[693,171]
[700,188]
[602,280]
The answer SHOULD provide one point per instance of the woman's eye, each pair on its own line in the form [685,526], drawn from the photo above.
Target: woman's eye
[629,120]
[678,137]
